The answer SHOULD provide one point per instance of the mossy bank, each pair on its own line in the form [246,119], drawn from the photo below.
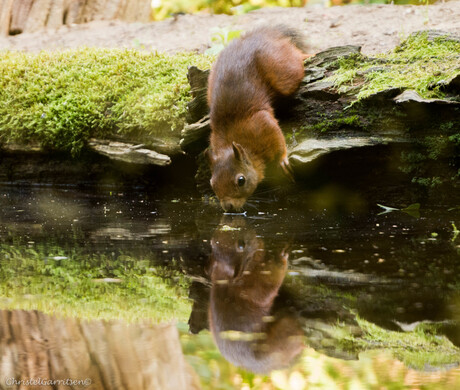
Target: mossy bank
[423,62]
[59,100]
[409,96]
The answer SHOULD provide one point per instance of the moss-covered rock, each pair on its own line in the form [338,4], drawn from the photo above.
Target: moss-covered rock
[59,100]
[426,62]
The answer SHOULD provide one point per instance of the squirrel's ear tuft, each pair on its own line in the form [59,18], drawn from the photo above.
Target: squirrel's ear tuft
[239,152]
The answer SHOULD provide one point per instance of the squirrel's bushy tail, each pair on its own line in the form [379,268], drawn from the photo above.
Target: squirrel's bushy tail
[296,36]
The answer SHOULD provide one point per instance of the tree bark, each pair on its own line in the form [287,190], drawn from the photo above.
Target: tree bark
[17,16]
[38,15]
[108,355]
[6,7]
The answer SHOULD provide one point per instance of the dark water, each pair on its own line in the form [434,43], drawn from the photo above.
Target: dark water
[267,283]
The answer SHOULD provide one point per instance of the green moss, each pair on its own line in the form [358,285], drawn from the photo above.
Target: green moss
[60,99]
[418,348]
[418,63]
[347,69]
[334,124]
[72,284]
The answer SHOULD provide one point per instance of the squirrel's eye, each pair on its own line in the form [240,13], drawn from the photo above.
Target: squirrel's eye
[241,181]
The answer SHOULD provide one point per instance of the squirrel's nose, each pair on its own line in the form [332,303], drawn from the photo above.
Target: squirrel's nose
[228,206]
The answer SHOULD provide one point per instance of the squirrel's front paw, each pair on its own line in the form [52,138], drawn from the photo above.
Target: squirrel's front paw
[287,169]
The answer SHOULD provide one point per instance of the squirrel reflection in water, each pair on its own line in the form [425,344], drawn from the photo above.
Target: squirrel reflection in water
[245,279]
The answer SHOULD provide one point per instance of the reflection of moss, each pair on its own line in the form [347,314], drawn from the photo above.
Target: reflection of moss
[60,99]
[423,162]
[351,334]
[419,348]
[373,370]
[418,63]
[88,287]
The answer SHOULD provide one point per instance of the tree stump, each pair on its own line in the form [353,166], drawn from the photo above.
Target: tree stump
[18,16]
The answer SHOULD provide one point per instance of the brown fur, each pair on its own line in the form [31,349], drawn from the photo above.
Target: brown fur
[245,136]
[245,282]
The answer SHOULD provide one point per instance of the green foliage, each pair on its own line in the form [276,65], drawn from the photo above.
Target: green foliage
[418,63]
[164,9]
[60,99]
[89,286]
[220,38]
[167,8]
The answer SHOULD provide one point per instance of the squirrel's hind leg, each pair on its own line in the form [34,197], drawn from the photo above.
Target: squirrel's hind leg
[281,65]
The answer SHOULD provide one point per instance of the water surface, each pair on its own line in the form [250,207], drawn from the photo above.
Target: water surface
[295,279]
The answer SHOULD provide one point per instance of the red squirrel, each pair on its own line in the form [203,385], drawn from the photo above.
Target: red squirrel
[245,136]
[248,329]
